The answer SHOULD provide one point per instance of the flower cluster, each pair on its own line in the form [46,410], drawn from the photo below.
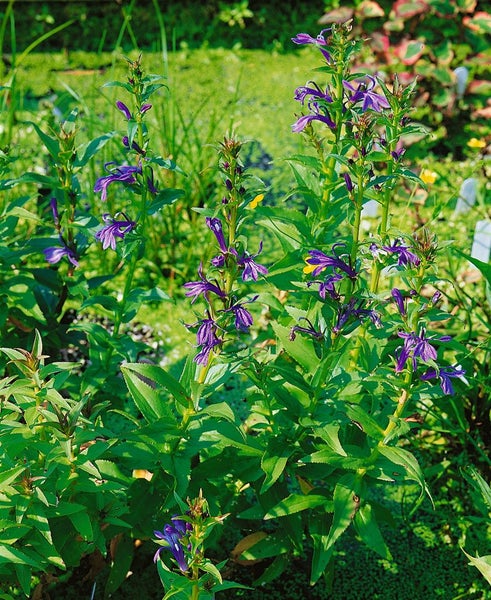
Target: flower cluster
[226,310]
[176,538]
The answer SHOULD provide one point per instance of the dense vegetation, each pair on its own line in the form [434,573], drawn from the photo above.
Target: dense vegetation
[243,317]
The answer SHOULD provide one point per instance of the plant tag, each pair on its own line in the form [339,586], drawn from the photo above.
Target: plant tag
[370,209]
[481,245]
[467,195]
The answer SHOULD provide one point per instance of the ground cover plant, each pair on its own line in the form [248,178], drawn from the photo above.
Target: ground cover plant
[335,375]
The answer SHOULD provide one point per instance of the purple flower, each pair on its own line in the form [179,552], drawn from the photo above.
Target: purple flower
[399,300]
[54,209]
[252,269]
[319,41]
[404,256]
[363,93]
[124,173]
[134,145]
[144,108]
[206,334]
[444,374]
[218,261]
[55,253]
[417,347]
[124,109]
[112,230]
[173,535]
[303,91]
[243,318]
[196,288]
[327,286]
[310,330]
[316,115]
[318,261]
[351,311]
[348,182]
[216,227]
[152,188]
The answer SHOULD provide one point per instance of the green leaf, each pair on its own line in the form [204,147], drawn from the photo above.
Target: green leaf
[480,485]
[82,523]
[367,528]
[120,566]
[346,503]
[274,461]
[51,143]
[140,379]
[405,459]
[164,198]
[221,410]
[295,503]
[13,555]
[301,349]
[485,268]
[483,563]
[91,148]
[210,568]
[10,475]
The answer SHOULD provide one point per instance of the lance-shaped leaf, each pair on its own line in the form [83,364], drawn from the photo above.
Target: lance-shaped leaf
[367,528]
[405,459]
[346,505]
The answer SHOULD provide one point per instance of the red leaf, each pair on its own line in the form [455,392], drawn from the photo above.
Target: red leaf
[369,9]
[408,51]
[405,9]
[480,22]
[339,15]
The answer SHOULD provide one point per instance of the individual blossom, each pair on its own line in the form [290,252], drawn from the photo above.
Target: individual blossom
[216,227]
[207,339]
[348,181]
[302,92]
[204,353]
[242,317]
[254,203]
[428,176]
[113,229]
[54,254]
[251,269]
[134,145]
[319,41]
[124,109]
[124,173]
[354,310]
[310,330]
[327,286]
[364,93]
[405,257]
[175,537]
[475,143]
[445,375]
[54,209]
[417,346]
[318,113]
[203,286]
[399,300]
[318,261]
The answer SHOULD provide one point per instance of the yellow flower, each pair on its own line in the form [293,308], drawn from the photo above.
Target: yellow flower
[428,176]
[255,201]
[308,267]
[475,143]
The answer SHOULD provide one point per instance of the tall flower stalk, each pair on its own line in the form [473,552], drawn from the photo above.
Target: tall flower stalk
[130,224]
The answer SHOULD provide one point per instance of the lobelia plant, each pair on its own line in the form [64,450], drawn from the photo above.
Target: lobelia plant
[355,365]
